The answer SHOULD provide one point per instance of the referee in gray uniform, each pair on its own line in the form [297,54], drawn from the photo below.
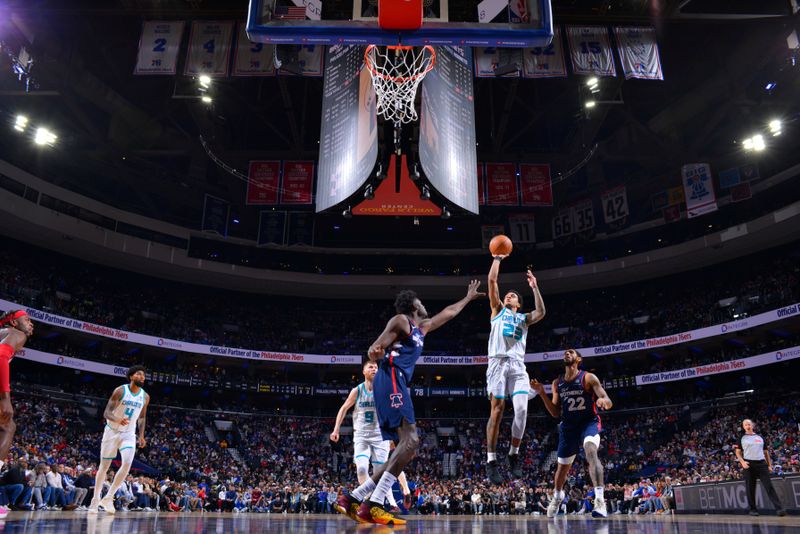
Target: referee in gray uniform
[756,463]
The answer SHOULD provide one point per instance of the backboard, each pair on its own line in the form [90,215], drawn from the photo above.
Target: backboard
[486,23]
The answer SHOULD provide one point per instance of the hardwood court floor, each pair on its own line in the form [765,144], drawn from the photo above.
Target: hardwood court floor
[195,523]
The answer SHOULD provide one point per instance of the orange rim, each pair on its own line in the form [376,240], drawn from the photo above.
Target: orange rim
[398,79]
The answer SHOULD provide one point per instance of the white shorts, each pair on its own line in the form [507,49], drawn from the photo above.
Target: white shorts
[375,451]
[114,441]
[506,377]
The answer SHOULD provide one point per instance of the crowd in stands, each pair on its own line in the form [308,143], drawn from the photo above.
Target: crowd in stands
[91,293]
[286,464]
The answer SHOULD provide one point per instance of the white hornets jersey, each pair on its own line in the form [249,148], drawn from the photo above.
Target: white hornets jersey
[129,407]
[508,335]
[365,420]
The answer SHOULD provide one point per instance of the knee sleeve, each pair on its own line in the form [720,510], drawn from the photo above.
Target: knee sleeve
[520,415]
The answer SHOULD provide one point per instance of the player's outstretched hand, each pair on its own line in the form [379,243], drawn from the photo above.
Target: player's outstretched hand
[537,386]
[472,290]
[532,280]
[142,443]
[603,403]
[335,437]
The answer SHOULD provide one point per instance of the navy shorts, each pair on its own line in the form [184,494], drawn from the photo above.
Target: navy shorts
[570,439]
[392,401]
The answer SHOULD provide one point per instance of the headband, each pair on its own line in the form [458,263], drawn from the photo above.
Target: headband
[16,315]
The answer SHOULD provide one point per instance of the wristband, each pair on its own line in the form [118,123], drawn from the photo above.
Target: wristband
[498,258]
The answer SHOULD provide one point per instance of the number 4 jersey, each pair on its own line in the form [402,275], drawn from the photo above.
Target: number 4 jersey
[130,406]
[508,335]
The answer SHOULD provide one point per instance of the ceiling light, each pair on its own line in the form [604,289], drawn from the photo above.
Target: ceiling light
[592,81]
[205,80]
[590,104]
[758,143]
[206,99]
[44,137]
[21,123]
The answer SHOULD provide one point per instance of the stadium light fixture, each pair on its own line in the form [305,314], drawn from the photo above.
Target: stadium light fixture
[206,99]
[21,123]
[758,143]
[44,137]
[590,104]
[592,81]
[775,127]
[204,81]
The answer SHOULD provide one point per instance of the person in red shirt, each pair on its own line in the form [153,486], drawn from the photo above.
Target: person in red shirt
[15,329]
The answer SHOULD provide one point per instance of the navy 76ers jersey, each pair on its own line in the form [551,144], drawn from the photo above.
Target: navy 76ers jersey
[577,404]
[404,353]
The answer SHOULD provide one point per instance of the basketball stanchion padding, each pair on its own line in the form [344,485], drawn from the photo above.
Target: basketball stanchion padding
[398,15]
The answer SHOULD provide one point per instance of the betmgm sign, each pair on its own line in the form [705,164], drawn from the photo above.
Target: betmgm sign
[731,497]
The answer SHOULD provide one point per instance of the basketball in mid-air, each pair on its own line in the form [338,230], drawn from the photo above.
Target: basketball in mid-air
[500,245]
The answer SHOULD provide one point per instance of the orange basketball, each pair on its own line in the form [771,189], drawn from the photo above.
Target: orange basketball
[500,245]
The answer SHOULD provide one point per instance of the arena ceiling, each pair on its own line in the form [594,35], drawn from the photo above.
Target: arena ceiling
[134,141]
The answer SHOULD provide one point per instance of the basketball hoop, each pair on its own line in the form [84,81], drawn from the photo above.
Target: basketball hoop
[396,72]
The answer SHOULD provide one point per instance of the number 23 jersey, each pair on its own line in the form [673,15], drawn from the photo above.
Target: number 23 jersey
[508,335]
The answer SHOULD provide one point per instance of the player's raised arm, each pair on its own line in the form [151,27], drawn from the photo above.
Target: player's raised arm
[348,403]
[397,326]
[552,405]
[429,325]
[494,290]
[113,402]
[539,311]
[603,402]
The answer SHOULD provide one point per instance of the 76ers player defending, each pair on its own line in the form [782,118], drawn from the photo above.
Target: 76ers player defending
[127,405]
[506,376]
[397,350]
[15,330]
[368,443]
[575,395]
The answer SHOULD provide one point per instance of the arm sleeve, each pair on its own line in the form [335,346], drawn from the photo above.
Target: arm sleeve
[6,353]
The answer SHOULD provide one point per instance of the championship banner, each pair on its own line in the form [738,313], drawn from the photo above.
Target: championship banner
[545,61]
[501,184]
[675,196]
[768,358]
[158,47]
[488,58]
[671,214]
[263,182]
[590,50]
[487,232]
[535,185]
[699,189]
[562,224]
[741,192]
[310,59]
[349,135]
[252,59]
[298,182]
[215,215]
[615,204]
[582,215]
[209,48]
[481,184]
[522,228]
[638,53]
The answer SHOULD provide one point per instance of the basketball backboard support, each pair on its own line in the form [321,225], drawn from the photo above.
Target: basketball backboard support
[445,22]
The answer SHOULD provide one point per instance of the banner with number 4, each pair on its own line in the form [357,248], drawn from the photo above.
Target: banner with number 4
[209,48]
[615,204]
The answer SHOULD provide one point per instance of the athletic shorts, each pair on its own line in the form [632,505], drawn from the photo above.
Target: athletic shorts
[571,439]
[375,451]
[392,401]
[114,441]
[506,377]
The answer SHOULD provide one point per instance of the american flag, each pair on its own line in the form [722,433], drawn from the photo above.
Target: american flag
[290,12]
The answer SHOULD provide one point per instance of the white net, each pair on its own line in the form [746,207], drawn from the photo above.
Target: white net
[396,73]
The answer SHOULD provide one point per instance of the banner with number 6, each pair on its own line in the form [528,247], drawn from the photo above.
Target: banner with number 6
[209,48]
[158,47]
[615,204]
[562,224]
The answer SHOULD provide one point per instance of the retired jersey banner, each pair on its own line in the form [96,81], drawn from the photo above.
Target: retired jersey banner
[263,182]
[638,53]
[298,181]
[741,192]
[582,215]
[729,178]
[590,50]
[545,61]
[252,59]
[481,185]
[699,189]
[488,58]
[209,48]
[615,204]
[522,228]
[310,59]
[158,47]
[501,183]
[215,215]
[562,224]
[535,185]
